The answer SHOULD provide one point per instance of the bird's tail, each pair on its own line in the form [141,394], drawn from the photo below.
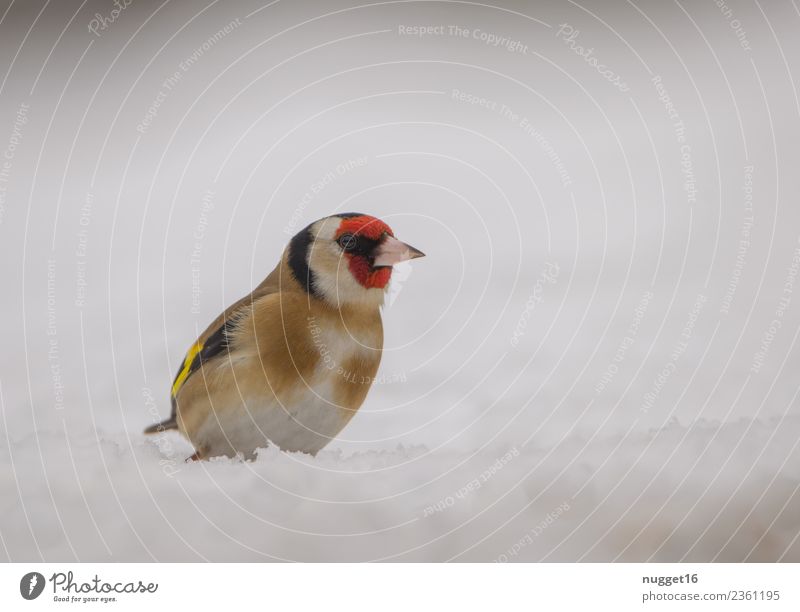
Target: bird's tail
[170,423]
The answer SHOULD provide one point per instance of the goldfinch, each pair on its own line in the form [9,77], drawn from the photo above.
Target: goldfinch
[291,363]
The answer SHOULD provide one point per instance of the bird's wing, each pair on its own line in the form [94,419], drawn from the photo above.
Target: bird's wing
[202,351]
[214,341]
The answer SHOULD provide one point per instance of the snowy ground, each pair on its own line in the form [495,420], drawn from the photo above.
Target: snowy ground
[708,493]
[596,361]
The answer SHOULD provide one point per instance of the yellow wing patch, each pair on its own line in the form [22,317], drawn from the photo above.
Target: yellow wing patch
[187,364]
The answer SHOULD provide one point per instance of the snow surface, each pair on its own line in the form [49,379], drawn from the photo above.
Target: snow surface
[592,362]
[701,494]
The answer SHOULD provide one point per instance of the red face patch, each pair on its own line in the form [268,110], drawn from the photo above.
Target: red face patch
[364,225]
[366,275]
[360,267]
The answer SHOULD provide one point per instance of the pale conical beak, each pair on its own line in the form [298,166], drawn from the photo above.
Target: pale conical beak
[391,251]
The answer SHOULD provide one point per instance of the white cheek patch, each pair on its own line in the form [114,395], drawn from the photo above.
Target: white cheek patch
[339,286]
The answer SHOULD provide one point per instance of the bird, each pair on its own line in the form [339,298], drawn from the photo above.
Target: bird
[292,362]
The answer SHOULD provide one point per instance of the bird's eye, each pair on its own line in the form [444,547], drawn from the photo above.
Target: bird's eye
[347,242]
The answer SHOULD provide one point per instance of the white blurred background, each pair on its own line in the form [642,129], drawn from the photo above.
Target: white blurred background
[607,197]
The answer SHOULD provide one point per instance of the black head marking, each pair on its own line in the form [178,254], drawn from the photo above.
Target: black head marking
[298,260]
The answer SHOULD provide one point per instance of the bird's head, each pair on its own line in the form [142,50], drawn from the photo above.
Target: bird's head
[347,258]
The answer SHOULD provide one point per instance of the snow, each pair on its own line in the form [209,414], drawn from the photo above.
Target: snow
[593,362]
[704,493]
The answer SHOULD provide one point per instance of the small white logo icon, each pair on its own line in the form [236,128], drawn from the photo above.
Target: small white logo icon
[31,585]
